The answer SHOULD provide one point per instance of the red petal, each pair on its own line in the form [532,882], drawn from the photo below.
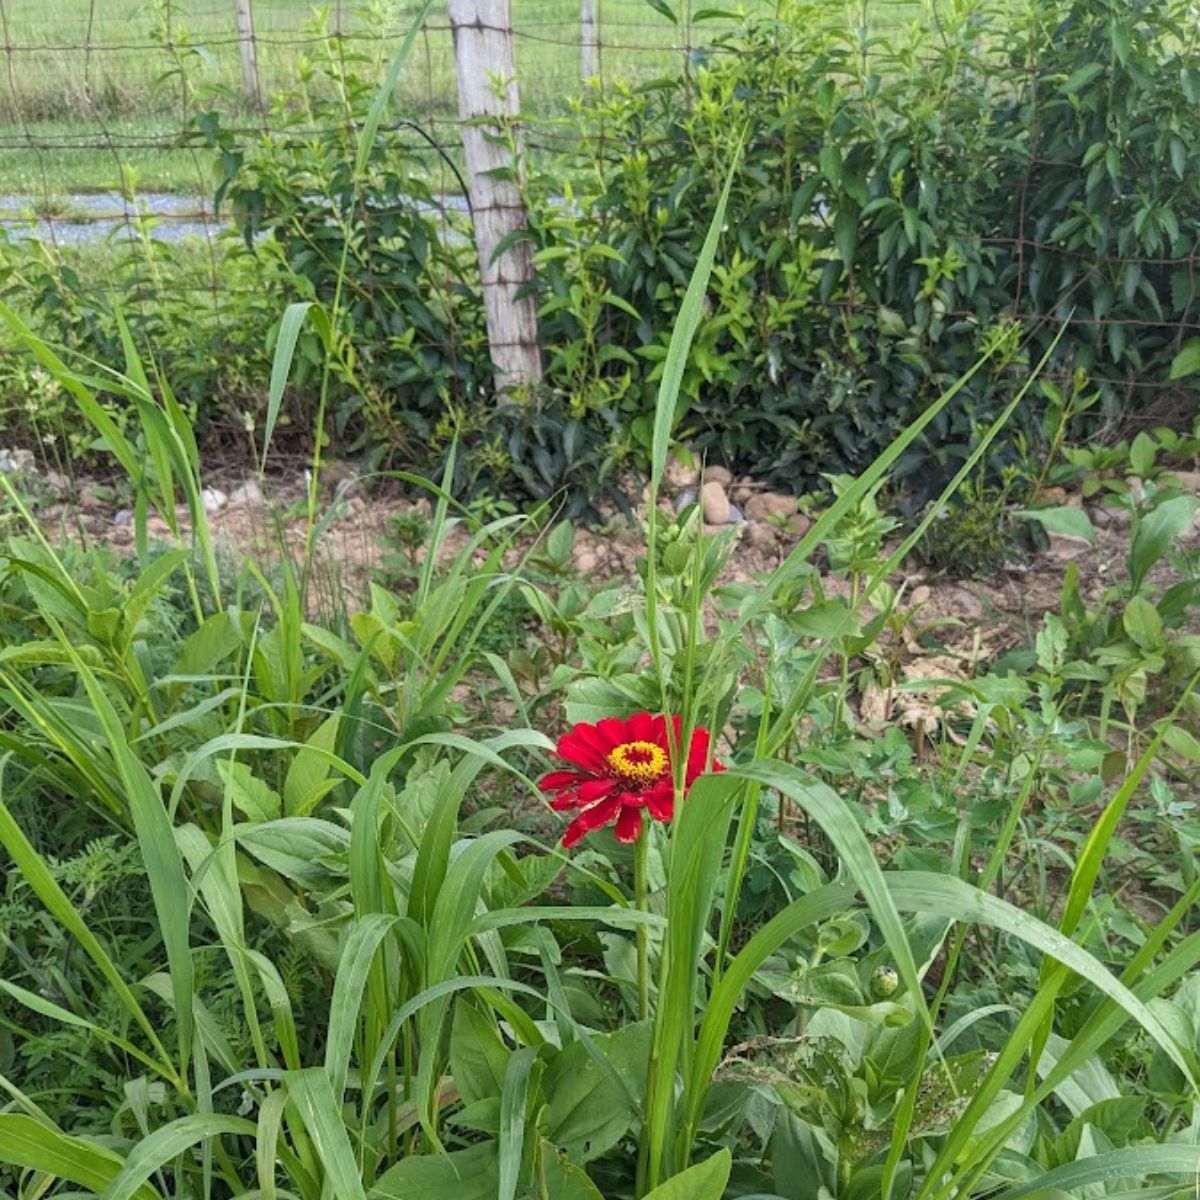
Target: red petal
[554,780]
[596,789]
[612,731]
[564,801]
[575,750]
[592,818]
[629,825]
[641,727]
[698,757]
[661,801]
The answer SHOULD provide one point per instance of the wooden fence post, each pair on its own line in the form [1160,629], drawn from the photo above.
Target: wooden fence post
[245,35]
[486,67]
[589,43]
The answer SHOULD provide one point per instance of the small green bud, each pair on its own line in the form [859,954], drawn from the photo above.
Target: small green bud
[884,981]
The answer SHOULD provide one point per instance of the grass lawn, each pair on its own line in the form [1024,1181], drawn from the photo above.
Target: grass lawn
[89,94]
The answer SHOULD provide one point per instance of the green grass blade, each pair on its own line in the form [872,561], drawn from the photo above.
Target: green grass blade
[281,368]
[948,896]
[34,1146]
[358,953]
[366,136]
[164,865]
[514,1102]
[311,1093]
[1130,1162]
[840,825]
[158,1148]
[37,875]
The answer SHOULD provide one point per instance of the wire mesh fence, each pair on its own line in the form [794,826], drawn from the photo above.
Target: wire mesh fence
[99,98]
[102,107]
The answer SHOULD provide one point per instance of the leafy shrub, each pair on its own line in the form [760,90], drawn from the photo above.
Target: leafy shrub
[892,204]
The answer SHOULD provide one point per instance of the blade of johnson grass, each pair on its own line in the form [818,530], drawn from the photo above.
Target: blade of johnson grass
[91,408]
[34,1146]
[311,1093]
[826,902]
[158,1148]
[281,368]
[366,136]
[841,826]
[667,409]
[1130,1162]
[514,1102]
[1097,1030]
[697,847]
[214,875]
[35,872]
[1095,849]
[55,1012]
[164,865]
[349,983]
[950,897]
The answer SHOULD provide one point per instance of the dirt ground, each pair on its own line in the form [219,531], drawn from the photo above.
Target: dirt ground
[355,529]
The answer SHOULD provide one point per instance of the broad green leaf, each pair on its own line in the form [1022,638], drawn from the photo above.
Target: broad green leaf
[1187,361]
[1067,520]
[462,1175]
[1156,532]
[704,1181]
[1142,623]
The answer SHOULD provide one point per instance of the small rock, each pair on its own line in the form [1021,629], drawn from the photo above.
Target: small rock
[736,516]
[799,524]
[966,604]
[684,498]
[157,527]
[586,562]
[762,537]
[715,503]
[56,482]
[1189,480]
[1137,487]
[718,475]
[744,489]
[679,474]
[770,504]
[919,595]
[214,500]
[123,516]
[1110,516]
[16,462]
[1064,547]
[1050,495]
[246,494]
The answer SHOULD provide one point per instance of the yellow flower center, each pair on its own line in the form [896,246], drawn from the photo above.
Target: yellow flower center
[638,762]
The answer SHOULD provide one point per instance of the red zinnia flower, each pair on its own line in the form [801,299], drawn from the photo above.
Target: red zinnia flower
[624,766]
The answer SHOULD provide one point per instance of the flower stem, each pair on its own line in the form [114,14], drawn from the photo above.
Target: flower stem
[641,854]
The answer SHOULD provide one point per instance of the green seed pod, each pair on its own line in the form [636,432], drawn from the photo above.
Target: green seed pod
[884,982]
